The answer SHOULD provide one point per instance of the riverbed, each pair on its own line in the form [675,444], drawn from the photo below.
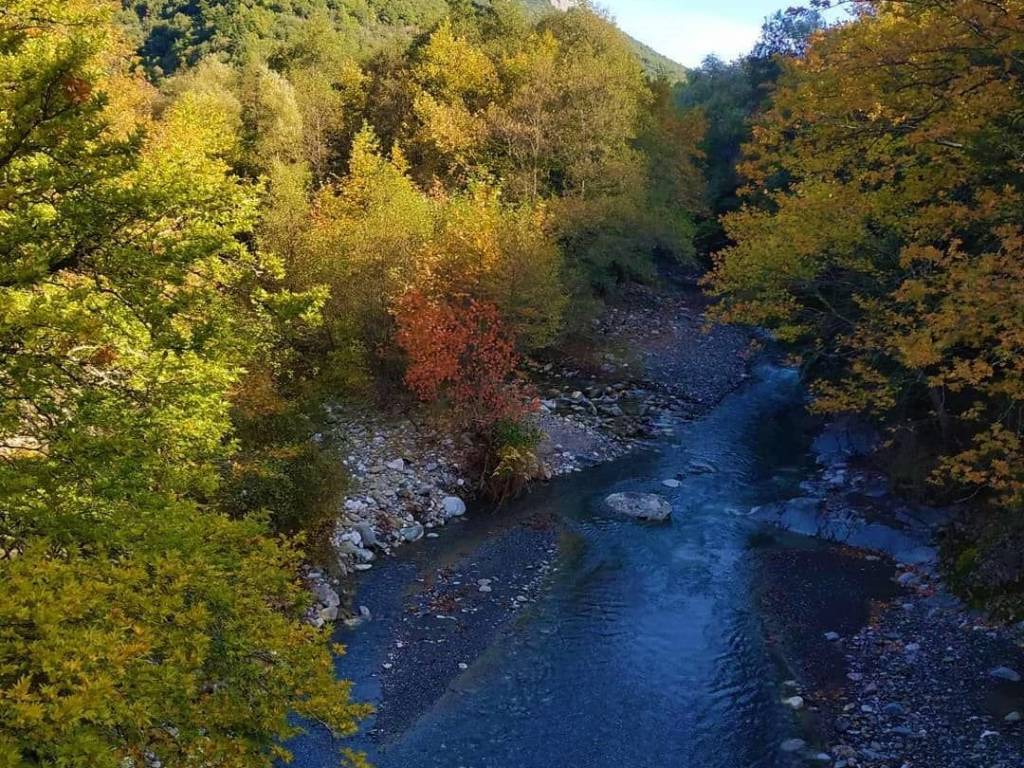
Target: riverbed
[549,632]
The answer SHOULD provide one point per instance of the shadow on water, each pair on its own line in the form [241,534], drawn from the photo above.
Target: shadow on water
[645,647]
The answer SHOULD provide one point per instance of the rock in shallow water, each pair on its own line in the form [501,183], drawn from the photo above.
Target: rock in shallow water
[640,506]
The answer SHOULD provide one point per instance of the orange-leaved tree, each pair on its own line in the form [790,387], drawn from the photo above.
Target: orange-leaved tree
[459,353]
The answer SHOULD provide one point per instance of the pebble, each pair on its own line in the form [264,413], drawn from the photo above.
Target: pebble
[792,745]
[1005,673]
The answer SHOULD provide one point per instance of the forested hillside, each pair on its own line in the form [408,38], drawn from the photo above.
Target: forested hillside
[216,215]
[172,33]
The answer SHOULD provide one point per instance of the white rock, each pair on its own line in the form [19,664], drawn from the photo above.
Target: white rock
[453,506]
[640,506]
[671,483]
[397,465]
[412,533]
[325,595]
[794,702]
[330,613]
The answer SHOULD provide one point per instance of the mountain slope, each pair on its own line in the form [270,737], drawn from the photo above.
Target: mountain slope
[655,64]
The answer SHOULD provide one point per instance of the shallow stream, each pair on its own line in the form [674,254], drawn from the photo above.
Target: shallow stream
[642,648]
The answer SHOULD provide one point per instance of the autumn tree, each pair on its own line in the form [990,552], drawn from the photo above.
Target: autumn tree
[883,229]
[137,622]
[460,354]
[365,234]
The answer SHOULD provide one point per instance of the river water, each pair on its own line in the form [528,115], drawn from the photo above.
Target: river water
[644,647]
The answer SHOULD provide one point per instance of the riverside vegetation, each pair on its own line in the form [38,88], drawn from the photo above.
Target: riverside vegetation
[215,216]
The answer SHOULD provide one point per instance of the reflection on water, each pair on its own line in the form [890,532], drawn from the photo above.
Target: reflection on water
[645,649]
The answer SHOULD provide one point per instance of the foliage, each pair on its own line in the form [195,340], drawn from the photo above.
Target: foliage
[509,458]
[462,355]
[729,95]
[282,470]
[137,621]
[375,235]
[887,239]
[499,254]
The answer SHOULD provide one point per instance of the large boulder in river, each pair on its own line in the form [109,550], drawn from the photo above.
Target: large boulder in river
[640,506]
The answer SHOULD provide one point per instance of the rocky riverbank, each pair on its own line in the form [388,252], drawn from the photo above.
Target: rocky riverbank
[888,668]
[647,361]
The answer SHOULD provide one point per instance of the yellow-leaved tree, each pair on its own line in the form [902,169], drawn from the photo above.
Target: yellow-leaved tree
[882,230]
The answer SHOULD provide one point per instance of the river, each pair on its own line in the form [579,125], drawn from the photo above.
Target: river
[642,646]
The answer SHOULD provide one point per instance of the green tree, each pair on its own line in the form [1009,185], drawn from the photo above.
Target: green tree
[136,620]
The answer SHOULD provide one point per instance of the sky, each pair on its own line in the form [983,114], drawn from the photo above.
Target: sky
[689,30]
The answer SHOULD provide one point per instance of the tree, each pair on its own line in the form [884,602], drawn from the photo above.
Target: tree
[137,622]
[729,96]
[365,234]
[883,233]
[499,254]
[460,353]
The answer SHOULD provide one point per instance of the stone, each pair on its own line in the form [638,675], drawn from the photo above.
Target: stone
[671,483]
[792,745]
[412,533]
[894,710]
[330,613]
[325,595]
[453,506]
[640,506]
[794,702]
[345,547]
[832,636]
[908,579]
[396,465]
[1014,717]
[367,534]
[1005,673]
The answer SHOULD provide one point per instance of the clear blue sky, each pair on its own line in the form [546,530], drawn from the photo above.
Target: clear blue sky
[689,30]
